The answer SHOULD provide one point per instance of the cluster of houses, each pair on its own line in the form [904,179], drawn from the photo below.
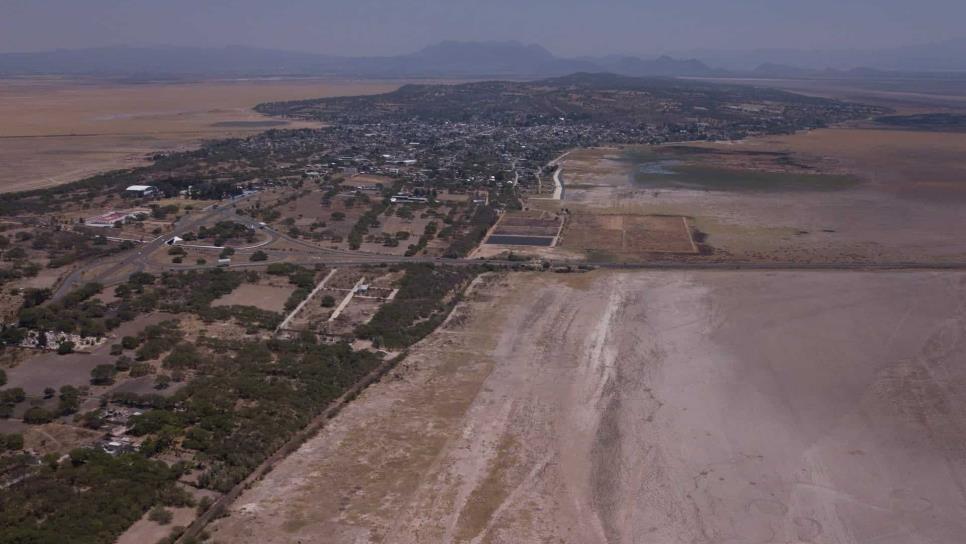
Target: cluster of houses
[114,217]
[51,340]
[116,440]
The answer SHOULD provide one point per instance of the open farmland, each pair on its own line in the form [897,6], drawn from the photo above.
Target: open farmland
[525,229]
[686,406]
[624,236]
[59,130]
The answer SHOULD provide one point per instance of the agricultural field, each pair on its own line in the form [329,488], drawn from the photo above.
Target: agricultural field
[625,236]
[841,194]
[525,228]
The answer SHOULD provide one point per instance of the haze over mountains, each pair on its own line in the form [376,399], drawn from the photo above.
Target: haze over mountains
[477,59]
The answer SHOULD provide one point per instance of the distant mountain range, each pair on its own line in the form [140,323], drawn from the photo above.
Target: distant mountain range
[446,59]
[477,60]
[940,56]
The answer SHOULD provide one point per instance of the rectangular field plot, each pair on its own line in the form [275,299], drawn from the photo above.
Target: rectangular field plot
[625,234]
[266,297]
[525,229]
[544,241]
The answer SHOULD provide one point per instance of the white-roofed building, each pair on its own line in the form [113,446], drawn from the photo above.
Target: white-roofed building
[141,190]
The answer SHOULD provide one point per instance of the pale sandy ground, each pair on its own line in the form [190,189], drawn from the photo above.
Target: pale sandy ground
[59,130]
[658,407]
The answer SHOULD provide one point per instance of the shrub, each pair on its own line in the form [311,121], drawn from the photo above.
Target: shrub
[65,347]
[162,381]
[69,400]
[258,256]
[140,369]
[37,416]
[12,396]
[328,301]
[123,363]
[160,515]
[11,442]
[103,374]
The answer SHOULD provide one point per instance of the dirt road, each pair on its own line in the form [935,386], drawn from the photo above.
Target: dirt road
[662,406]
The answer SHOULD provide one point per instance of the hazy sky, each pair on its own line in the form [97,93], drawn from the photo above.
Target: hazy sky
[567,27]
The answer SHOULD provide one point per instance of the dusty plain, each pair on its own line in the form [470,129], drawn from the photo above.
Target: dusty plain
[59,130]
[725,407]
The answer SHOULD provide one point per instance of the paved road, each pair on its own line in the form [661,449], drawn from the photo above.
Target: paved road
[137,258]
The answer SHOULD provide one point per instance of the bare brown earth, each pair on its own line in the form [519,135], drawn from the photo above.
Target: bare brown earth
[626,236]
[266,297]
[58,130]
[698,407]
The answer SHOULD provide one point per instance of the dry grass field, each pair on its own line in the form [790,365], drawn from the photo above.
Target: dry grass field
[906,163]
[59,130]
[266,295]
[626,236]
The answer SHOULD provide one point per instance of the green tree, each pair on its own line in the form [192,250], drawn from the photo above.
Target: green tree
[13,442]
[69,400]
[37,416]
[123,363]
[103,374]
[160,515]
[162,381]
[65,347]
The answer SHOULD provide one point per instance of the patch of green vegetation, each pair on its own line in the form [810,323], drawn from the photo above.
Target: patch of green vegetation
[89,499]
[483,218]
[426,295]
[368,220]
[76,312]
